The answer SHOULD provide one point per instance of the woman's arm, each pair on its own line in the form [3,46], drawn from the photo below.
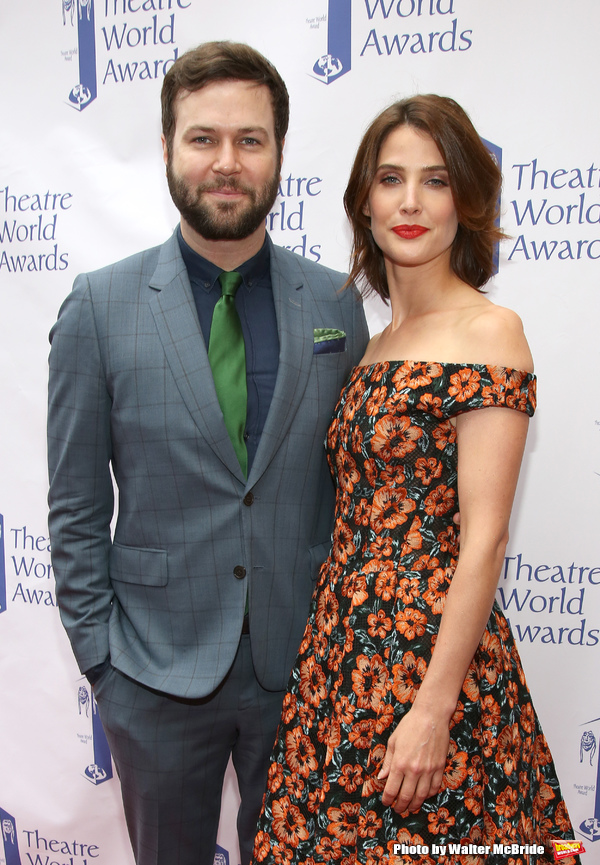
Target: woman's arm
[490,449]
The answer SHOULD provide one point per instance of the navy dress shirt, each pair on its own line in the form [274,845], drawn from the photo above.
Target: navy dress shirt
[256,309]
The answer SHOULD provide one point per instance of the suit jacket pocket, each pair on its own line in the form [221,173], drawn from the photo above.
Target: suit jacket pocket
[318,554]
[139,565]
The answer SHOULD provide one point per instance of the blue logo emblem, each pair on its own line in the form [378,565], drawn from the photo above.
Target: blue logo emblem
[338,59]
[10,842]
[497,155]
[221,856]
[83,11]
[99,769]
[588,747]
[2,568]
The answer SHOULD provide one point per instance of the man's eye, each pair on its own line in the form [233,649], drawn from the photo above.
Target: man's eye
[249,140]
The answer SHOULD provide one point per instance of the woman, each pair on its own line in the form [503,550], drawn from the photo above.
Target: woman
[407,719]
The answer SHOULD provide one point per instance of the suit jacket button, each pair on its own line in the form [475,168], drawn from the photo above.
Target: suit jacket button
[239,572]
[248,499]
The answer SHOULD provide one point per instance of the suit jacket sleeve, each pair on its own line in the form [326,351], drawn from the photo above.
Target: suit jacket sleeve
[81,492]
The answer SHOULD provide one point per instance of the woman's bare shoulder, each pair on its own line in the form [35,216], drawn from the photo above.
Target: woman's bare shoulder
[496,333]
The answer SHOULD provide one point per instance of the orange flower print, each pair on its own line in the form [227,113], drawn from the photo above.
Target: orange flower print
[335,657]
[289,708]
[444,435]
[275,777]
[390,507]
[381,547]
[408,589]
[368,681]
[464,384]
[511,379]
[332,434]
[344,710]
[327,611]
[343,822]
[474,798]
[288,823]
[440,500]
[437,591]
[471,685]
[456,767]
[295,785]
[356,439]
[362,513]
[329,850]
[392,475]
[347,474]
[412,539]
[262,845]
[370,467]
[527,718]
[320,644]
[353,399]
[376,400]
[411,623]
[330,733]
[394,437]
[369,824]
[351,777]
[447,540]
[354,587]
[487,740]
[385,585]
[512,693]
[493,395]
[430,404]
[300,752]
[440,822]
[489,657]
[306,715]
[312,682]
[507,803]
[425,563]
[414,375]
[396,403]
[457,715]
[361,734]
[385,717]
[343,544]
[281,855]
[379,624]
[490,711]
[562,818]
[408,677]
[509,748]
[428,470]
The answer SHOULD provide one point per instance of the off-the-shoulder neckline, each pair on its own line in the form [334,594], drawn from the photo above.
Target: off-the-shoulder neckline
[462,364]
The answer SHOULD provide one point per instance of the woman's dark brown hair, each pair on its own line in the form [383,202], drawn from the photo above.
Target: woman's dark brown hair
[475,181]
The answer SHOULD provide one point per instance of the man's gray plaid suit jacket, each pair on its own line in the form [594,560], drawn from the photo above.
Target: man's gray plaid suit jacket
[131,388]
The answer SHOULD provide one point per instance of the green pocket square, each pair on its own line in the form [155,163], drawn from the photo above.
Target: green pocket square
[325,334]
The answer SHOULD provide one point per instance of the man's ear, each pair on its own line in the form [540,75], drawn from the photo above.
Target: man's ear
[163,141]
[281,158]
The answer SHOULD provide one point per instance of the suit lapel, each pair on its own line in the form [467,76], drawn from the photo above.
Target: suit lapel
[172,305]
[295,327]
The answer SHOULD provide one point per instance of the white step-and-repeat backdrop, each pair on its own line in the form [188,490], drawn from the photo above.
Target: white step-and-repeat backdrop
[82,184]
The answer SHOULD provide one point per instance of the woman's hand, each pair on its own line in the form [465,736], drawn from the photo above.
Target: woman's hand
[415,760]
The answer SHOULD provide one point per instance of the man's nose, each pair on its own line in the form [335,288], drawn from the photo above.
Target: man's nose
[226,159]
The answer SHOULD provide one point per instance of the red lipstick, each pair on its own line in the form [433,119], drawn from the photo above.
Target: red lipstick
[409,232]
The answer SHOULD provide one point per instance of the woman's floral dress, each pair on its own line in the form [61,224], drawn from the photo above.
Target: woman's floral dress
[373,622]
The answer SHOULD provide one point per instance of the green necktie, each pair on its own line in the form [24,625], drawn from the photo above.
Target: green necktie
[227,356]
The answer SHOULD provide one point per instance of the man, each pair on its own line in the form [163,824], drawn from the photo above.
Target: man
[187,622]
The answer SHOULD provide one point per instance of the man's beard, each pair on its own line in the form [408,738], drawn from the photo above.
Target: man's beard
[224,220]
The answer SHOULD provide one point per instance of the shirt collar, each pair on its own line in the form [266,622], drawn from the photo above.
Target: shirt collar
[204,274]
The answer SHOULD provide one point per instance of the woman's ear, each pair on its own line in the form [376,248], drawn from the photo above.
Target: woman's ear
[366,211]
